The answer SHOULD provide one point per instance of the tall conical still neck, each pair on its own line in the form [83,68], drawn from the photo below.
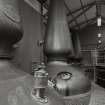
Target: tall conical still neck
[58,44]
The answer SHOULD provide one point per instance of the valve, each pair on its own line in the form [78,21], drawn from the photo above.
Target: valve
[41,82]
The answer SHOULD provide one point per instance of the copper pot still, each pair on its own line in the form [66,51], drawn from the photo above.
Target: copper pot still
[17,87]
[67,79]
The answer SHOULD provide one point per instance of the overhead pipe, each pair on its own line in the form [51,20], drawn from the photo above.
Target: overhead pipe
[76,47]
[68,80]
[17,87]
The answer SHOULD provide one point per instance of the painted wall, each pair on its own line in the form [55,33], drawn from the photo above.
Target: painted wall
[28,51]
[89,41]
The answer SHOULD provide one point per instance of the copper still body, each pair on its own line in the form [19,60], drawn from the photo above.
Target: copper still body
[17,87]
[67,79]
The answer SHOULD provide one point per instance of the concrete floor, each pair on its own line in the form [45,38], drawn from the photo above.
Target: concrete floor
[98,95]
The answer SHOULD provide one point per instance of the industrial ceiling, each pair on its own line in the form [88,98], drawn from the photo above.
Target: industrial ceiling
[80,13]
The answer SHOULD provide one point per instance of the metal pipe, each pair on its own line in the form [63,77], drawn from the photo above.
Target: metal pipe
[76,45]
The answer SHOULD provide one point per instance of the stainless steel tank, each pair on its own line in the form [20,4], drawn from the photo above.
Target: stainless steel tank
[67,79]
[17,87]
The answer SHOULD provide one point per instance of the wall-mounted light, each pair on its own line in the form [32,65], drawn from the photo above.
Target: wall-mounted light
[99,35]
[99,21]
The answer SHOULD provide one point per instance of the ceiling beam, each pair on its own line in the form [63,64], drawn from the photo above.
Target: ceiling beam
[92,21]
[101,2]
[85,6]
[84,22]
[76,22]
[72,12]
[85,10]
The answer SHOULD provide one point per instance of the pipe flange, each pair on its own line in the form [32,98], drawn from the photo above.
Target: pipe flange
[38,99]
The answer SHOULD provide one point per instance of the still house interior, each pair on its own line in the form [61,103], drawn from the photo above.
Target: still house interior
[52,52]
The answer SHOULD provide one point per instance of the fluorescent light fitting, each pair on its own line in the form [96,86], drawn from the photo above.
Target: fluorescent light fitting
[99,35]
[99,21]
